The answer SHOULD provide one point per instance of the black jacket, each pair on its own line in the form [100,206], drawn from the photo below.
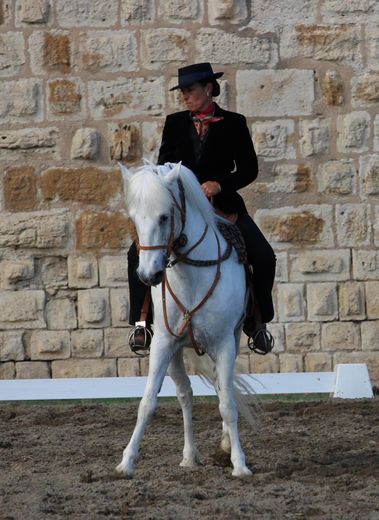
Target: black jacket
[226,156]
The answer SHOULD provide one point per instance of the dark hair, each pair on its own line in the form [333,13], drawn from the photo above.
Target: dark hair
[215,86]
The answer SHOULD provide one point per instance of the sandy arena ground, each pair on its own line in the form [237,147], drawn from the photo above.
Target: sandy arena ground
[311,460]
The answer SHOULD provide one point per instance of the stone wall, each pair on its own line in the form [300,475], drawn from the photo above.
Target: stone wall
[85,82]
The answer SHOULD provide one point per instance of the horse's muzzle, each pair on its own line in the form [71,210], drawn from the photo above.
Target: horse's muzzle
[154,279]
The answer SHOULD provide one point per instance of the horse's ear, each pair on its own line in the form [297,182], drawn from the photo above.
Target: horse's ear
[174,173]
[126,174]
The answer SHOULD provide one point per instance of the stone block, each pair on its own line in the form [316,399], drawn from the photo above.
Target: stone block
[163,46]
[50,52]
[7,370]
[116,343]
[12,56]
[219,46]
[11,346]
[351,297]
[33,370]
[370,335]
[126,97]
[39,230]
[243,363]
[120,307]
[87,13]
[365,90]
[151,139]
[6,10]
[65,99]
[278,93]
[277,331]
[303,337]
[180,11]
[315,137]
[334,43]
[366,264]
[84,368]
[321,266]
[281,274]
[337,178]
[341,11]
[53,273]
[87,343]
[322,301]
[333,88]
[376,129]
[372,45]
[372,300]
[303,225]
[61,314]
[340,336]
[129,367]
[353,132]
[20,190]
[108,51]
[22,310]
[274,140]
[137,11]
[20,101]
[227,11]
[16,274]
[93,308]
[265,364]
[371,359]
[113,271]
[126,142]
[318,362]
[88,185]
[50,345]
[85,144]
[289,178]
[29,144]
[82,271]
[369,174]
[95,231]
[353,224]
[291,363]
[32,12]
[376,226]
[276,14]
[291,302]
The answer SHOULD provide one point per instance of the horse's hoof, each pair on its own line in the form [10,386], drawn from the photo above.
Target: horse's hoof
[123,470]
[191,462]
[242,473]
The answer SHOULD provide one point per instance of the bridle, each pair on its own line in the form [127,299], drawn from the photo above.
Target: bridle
[170,247]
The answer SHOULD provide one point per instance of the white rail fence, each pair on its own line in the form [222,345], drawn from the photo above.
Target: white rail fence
[348,381]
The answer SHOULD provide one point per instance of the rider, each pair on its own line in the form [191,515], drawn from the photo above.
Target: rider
[216,145]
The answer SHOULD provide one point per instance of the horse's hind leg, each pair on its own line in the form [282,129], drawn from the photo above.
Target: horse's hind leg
[184,394]
[159,360]
[228,409]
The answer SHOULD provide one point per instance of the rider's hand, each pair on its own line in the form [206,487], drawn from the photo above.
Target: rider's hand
[211,188]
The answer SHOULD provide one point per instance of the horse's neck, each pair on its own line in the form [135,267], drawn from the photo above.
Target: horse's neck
[194,229]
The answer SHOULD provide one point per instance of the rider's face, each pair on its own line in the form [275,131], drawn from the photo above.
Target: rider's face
[197,97]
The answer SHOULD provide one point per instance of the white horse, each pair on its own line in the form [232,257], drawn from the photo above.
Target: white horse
[198,306]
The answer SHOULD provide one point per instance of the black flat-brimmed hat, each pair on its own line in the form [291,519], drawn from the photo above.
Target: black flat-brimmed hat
[193,73]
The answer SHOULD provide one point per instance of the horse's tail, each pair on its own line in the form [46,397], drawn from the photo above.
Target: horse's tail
[244,393]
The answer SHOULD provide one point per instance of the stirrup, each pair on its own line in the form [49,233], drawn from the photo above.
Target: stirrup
[139,339]
[261,341]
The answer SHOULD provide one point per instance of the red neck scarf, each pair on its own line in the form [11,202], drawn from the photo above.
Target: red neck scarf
[202,120]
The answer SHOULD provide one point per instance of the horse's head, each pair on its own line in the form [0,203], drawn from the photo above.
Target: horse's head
[150,204]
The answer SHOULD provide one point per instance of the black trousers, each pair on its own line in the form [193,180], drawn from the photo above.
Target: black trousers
[260,256]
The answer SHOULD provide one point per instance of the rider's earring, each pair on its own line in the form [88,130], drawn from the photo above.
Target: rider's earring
[207,93]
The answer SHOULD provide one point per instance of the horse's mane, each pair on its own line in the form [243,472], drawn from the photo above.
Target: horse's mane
[152,179]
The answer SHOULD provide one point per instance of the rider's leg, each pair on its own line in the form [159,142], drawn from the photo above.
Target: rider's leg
[137,294]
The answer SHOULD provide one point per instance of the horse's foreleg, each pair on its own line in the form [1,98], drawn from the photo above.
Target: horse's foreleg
[184,394]
[228,409]
[159,360]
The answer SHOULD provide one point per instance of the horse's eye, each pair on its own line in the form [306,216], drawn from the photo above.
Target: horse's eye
[163,219]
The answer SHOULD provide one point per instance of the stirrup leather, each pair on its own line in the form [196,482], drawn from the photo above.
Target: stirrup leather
[139,339]
[261,341]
